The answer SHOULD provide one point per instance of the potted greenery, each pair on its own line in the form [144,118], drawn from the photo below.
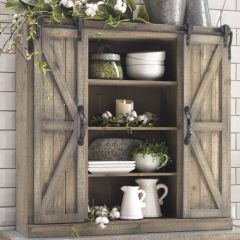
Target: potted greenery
[150,157]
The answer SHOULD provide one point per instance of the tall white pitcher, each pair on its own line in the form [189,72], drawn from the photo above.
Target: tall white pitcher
[152,201]
[132,205]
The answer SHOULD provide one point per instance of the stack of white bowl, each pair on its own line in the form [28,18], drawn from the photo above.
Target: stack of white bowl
[145,65]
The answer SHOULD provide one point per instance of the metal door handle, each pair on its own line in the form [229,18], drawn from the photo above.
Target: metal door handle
[189,125]
[83,125]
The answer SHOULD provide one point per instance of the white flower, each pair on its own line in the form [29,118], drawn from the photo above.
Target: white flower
[15,18]
[102,226]
[115,215]
[108,114]
[105,116]
[105,220]
[134,114]
[121,6]
[98,220]
[130,119]
[67,3]
[141,117]
[91,9]
[100,3]
[78,4]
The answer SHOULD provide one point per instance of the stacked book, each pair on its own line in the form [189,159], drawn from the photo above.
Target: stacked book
[111,166]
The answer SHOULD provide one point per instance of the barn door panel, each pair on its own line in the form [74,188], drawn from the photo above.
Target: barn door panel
[56,153]
[206,154]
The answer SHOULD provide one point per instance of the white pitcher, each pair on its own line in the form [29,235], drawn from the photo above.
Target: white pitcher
[152,209]
[131,207]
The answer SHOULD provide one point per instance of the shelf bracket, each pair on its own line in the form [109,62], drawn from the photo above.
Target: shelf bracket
[227,38]
[188,29]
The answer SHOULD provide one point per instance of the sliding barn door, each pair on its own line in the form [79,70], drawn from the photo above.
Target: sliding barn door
[206,175]
[59,166]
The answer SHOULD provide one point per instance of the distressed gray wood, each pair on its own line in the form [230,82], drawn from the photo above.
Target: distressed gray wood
[206,165]
[62,186]
[24,140]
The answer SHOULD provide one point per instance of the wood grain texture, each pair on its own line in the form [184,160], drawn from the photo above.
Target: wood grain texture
[203,157]
[133,227]
[24,141]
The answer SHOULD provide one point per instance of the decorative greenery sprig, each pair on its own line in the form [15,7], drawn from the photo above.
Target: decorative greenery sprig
[157,150]
[33,12]
[129,120]
[101,215]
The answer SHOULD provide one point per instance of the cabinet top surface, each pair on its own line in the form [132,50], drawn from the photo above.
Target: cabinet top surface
[137,27]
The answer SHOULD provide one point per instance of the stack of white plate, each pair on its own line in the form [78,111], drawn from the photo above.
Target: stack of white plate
[111,166]
[145,65]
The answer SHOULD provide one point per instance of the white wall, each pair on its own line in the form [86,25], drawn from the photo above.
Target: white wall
[7,133]
[231,16]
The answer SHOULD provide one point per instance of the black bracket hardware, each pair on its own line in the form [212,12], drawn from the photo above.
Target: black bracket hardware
[188,29]
[83,125]
[189,125]
[227,38]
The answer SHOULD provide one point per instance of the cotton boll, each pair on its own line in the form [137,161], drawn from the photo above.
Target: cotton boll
[78,4]
[108,114]
[105,116]
[98,220]
[105,220]
[134,113]
[102,226]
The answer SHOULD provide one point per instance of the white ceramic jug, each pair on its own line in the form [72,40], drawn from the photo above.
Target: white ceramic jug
[152,201]
[131,207]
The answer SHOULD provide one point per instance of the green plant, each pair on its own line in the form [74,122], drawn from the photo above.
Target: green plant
[33,12]
[156,150]
[128,120]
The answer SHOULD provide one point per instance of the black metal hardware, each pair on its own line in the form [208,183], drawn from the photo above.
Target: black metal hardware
[227,38]
[188,29]
[189,125]
[83,125]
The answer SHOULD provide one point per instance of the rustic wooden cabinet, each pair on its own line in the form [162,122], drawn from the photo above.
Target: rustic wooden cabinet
[54,187]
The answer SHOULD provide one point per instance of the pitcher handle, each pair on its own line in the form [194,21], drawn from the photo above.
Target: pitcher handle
[165,162]
[159,186]
[143,204]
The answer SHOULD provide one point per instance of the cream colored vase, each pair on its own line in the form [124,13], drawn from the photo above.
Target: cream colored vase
[153,202]
[132,204]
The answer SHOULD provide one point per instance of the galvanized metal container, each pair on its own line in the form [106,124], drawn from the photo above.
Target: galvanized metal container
[166,11]
[197,13]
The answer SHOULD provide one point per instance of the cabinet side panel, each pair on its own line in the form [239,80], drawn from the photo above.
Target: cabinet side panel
[24,142]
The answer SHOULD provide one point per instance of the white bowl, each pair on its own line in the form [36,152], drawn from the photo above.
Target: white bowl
[149,56]
[145,72]
[134,61]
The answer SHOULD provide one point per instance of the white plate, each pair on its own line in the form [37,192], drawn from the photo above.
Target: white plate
[112,166]
[110,162]
[111,170]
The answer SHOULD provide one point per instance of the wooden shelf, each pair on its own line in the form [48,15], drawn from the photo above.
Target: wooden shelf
[133,83]
[96,175]
[133,129]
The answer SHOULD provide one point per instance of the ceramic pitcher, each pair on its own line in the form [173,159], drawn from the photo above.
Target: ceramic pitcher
[132,204]
[153,202]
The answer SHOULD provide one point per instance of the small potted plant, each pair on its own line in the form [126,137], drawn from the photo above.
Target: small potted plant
[150,157]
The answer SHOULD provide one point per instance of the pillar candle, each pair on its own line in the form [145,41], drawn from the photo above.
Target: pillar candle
[124,106]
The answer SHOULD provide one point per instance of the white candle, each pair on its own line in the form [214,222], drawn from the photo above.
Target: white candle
[124,106]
